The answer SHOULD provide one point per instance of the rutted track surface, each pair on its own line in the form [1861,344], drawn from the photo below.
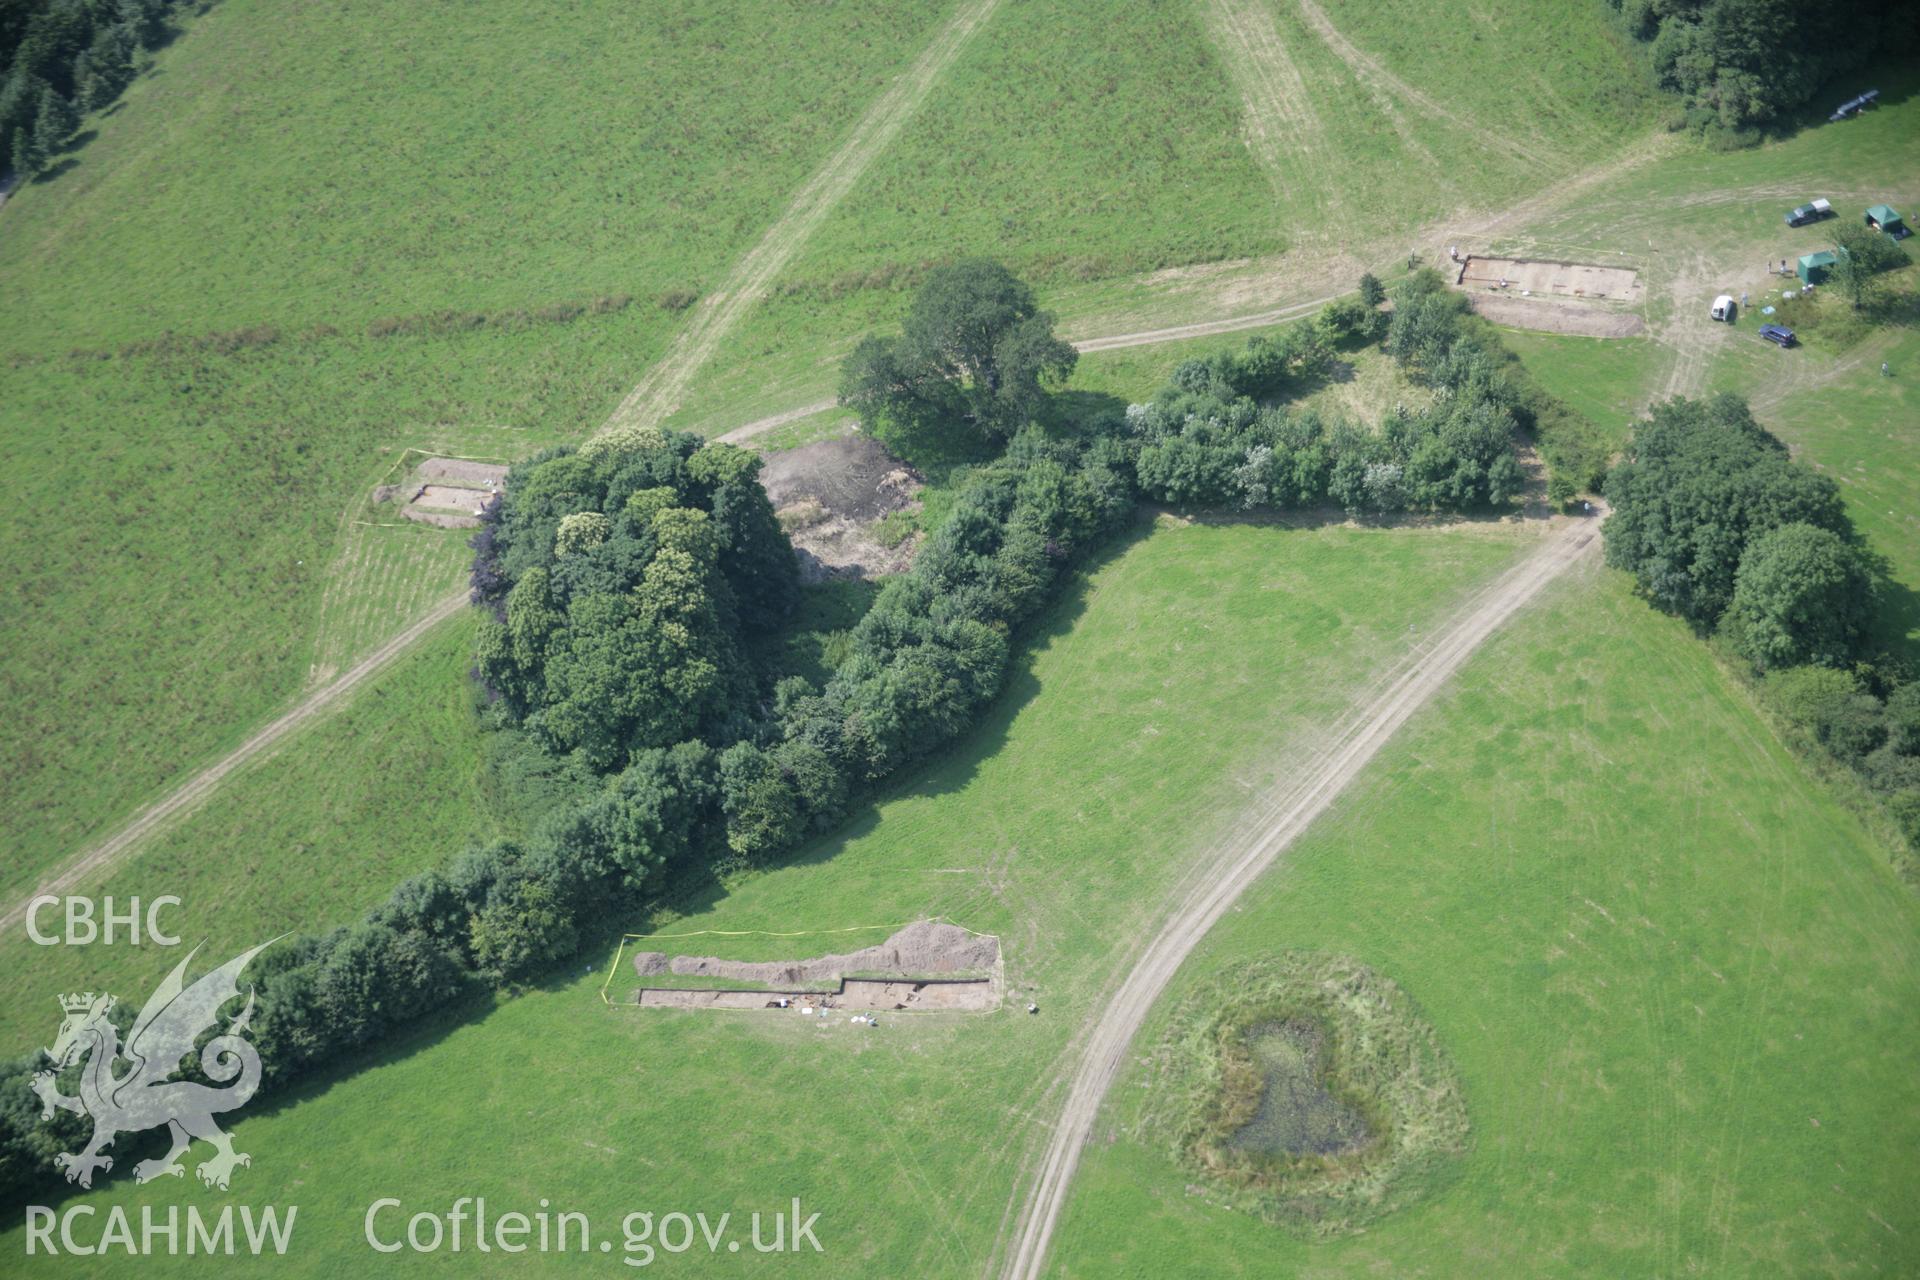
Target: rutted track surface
[1279,819]
[1368,68]
[191,793]
[196,789]
[1279,109]
[659,393]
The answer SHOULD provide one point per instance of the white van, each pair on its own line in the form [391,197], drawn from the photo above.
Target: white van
[1723,307]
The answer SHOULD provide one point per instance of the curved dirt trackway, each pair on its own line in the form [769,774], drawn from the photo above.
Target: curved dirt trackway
[1144,338]
[716,315]
[194,791]
[1280,818]
[197,788]
[656,396]
[760,426]
[1204,329]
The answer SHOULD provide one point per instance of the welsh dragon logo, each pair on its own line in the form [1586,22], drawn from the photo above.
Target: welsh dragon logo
[145,1096]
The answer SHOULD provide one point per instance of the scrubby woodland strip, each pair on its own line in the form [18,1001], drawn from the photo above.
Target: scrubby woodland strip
[629,580]
[1722,527]
[1210,442]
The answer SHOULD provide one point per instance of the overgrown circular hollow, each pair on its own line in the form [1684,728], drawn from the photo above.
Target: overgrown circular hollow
[1308,1089]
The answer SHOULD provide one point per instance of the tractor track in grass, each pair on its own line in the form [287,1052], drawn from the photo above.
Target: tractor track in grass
[1279,110]
[716,315]
[1280,818]
[1369,70]
[1689,331]
[195,790]
[190,794]
[647,404]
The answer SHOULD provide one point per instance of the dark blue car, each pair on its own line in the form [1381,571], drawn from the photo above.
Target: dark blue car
[1778,334]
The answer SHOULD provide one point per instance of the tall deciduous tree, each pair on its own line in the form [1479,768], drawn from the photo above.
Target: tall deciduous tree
[1802,595]
[1701,481]
[1863,254]
[976,351]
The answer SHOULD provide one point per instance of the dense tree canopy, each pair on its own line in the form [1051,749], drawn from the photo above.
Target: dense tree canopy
[1802,595]
[1701,481]
[1205,440]
[976,353]
[63,57]
[1744,63]
[624,577]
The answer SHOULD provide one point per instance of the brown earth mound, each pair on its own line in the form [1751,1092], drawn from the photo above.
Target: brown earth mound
[829,495]
[1533,275]
[448,492]
[856,995]
[852,477]
[460,472]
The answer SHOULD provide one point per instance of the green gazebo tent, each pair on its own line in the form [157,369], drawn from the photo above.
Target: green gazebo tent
[1883,218]
[1815,266]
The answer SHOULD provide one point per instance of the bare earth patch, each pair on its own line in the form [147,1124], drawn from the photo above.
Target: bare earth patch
[869,995]
[444,497]
[1549,315]
[448,492]
[926,965]
[829,495]
[1541,275]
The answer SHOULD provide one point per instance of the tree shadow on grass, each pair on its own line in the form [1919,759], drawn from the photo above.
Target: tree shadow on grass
[55,170]
[1077,414]
[129,1148]
[1896,626]
[1895,78]
[696,890]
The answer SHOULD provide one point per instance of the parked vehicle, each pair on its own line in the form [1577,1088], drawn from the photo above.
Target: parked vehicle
[1723,307]
[1812,211]
[1777,334]
[1854,106]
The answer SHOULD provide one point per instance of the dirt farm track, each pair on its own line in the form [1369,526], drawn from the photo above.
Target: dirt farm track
[1272,824]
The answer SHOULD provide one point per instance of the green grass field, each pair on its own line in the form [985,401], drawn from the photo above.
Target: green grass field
[1155,154]
[314,172]
[1606,379]
[1863,429]
[1678,982]
[189,574]
[1698,224]
[181,538]
[302,840]
[340,162]
[1176,679]
[1677,976]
